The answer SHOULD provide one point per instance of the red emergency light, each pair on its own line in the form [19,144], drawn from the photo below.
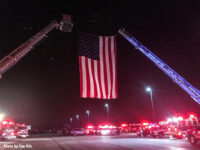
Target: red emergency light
[106,126]
[124,125]
[4,122]
[192,116]
[180,118]
[179,133]
[90,127]
[145,123]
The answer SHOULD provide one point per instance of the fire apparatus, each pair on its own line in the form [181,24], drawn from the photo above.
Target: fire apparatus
[108,129]
[22,130]
[65,25]
[178,127]
[180,81]
[7,129]
[194,135]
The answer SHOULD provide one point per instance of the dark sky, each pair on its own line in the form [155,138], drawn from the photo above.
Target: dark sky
[43,88]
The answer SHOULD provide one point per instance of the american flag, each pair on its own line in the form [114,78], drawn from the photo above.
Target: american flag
[98,67]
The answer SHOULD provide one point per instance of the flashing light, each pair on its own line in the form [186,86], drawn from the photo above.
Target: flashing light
[12,133]
[124,125]
[11,122]
[180,118]
[90,127]
[105,132]
[4,122]
[179,133]
[191,116]
[145,123]
[106,126]
[169,120]
[175,119]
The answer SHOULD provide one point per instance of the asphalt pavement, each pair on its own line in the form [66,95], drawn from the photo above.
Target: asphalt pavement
[120,142]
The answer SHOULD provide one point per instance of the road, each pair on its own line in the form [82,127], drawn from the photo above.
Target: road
[122,142]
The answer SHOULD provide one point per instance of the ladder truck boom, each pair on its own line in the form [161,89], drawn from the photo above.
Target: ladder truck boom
[11,59]
[186,86]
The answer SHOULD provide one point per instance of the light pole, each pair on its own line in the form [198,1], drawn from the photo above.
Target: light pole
[77,117]
[88,113]
[148,89]
[71,120]
[107,108]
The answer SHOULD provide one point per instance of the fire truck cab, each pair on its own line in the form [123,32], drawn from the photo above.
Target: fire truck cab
[194,135]
[22,131]
[7,130]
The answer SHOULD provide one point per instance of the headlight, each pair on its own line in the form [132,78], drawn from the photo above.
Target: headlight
[105,132]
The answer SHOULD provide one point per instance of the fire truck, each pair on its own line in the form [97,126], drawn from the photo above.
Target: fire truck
[178,127]
[65,25]
[22,130]
[7,130]
[194,135]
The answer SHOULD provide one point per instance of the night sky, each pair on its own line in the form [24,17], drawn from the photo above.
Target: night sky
[43,88]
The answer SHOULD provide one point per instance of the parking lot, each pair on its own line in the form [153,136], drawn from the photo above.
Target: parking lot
[120,142]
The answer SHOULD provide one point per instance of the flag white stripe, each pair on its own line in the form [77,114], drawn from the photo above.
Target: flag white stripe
[91,78]
[84,76]
[97,79]
[113,67]
[99,76]
[107,67]
[101,66]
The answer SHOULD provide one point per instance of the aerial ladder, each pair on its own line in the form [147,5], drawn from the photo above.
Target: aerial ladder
[180,81]
[65,25]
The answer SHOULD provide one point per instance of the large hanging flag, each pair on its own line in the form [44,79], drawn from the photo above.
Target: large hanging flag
[98,67]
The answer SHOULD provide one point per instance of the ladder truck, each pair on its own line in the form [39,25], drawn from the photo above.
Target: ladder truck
[65,25]
[180,81]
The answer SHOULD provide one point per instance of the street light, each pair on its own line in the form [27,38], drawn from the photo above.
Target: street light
[88,113]
[77,117]
[107,108]
[71,120]
[148,89]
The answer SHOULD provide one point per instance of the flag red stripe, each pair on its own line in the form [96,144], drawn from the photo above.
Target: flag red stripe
[93,77]
[87,78]
[110,66]
[98,78]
